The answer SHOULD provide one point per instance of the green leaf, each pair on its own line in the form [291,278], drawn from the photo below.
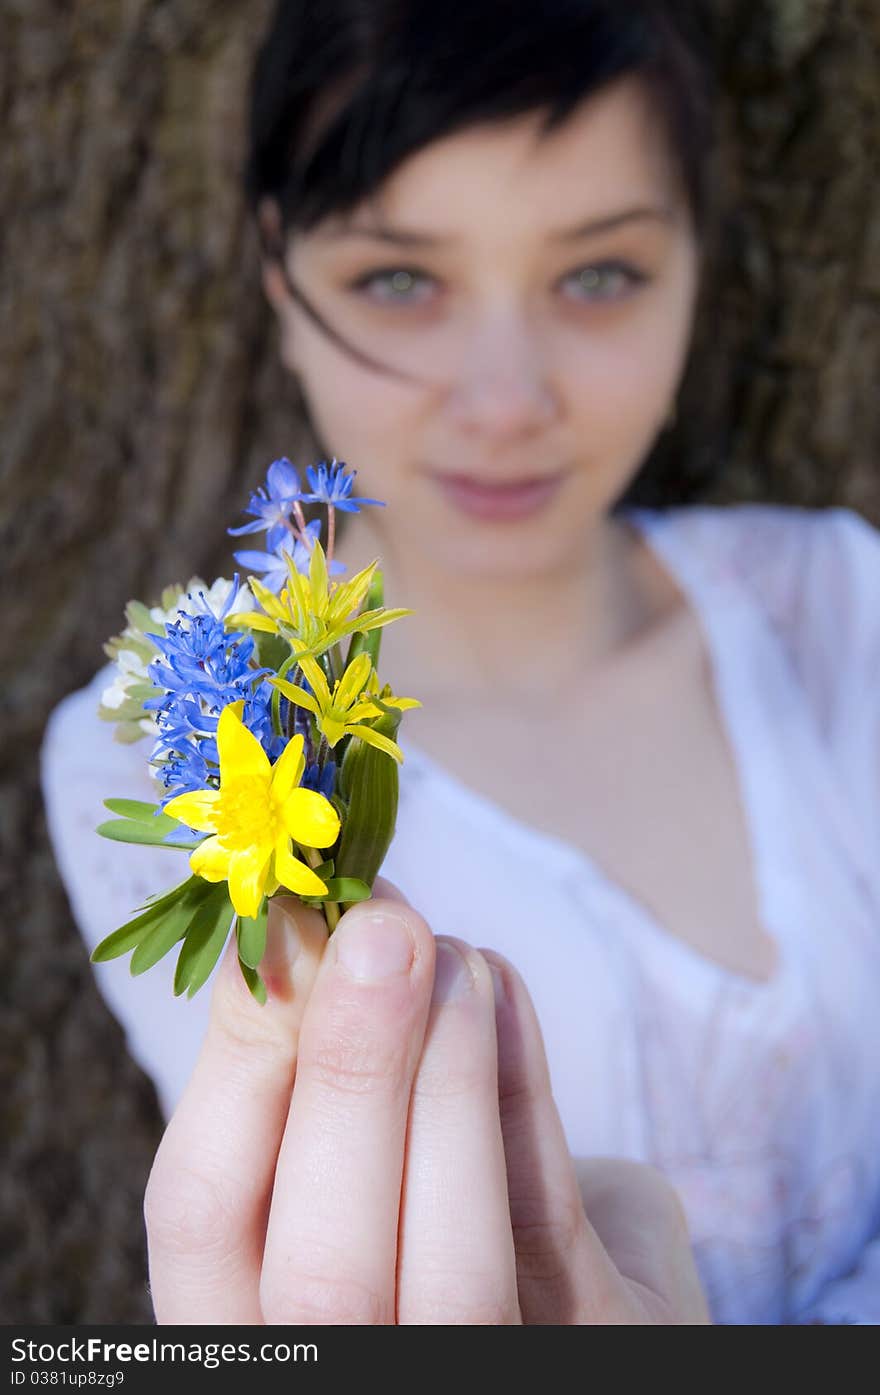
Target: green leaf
[204,941]
[347,889]
[251,932]
[339,889]
[127,711]
[126,733]
[133,931]
[142,812]
[171,927]
[139,617]
[143,691]
[131,831]
[254,982]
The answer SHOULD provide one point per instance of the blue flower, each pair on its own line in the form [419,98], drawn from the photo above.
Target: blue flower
[273,504]
[183,771]
[200,670]
[332,485]
[321,780]
[273,565]
[198,659]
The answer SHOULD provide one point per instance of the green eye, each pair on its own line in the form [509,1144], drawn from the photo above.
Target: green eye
[393,285]
[589,280]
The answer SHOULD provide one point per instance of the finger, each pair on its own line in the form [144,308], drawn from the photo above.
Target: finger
[564,1274]
[385,890]
[207,1198]
[640,1220]
[331,1245]
[456,1258]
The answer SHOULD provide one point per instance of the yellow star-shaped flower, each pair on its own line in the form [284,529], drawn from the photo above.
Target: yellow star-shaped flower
[386,696]
[312,613]
[342,712]
[258,808]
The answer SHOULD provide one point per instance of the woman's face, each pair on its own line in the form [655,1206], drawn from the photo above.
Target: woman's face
[548,358]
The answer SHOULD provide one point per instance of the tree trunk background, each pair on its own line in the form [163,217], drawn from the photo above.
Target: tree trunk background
[139,380]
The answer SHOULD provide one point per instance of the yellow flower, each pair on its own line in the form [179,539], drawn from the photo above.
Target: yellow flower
[342,712]
[258,808]
[387,696]
[310,614]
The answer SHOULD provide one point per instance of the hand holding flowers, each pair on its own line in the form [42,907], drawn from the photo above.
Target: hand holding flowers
[380,1144]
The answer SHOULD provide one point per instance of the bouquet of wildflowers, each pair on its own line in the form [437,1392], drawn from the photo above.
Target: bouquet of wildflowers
[273,739]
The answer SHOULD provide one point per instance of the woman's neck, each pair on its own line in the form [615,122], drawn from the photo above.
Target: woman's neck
[510,639]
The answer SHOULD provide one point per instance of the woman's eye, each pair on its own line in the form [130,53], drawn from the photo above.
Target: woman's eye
[605,281]
[406,286]
[394,286]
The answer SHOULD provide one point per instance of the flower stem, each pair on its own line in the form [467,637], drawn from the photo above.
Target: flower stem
[331,532]
[295,532]
[331,908]
[276,695]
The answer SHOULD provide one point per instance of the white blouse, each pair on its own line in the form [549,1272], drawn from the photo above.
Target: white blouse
[760,1101]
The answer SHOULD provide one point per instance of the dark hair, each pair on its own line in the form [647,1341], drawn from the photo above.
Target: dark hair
[344,90]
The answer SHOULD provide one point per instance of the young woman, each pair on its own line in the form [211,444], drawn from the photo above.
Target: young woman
[645,775]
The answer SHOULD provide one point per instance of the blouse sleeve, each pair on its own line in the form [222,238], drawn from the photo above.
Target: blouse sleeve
[81,765]
[817,575]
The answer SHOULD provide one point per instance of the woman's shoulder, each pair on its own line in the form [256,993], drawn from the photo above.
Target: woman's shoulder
[769,536]
[803,566]
[814,575]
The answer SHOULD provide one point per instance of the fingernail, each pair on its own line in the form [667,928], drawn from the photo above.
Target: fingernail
[453,979]
[373,946]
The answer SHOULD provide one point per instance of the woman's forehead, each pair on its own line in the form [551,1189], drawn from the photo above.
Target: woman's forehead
[606,158]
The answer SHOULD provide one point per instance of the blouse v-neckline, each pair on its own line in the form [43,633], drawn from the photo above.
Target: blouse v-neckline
[724,615]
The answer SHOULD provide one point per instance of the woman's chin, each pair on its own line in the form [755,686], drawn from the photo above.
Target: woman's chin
[496,559]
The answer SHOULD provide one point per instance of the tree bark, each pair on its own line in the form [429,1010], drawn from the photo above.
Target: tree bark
[141,397]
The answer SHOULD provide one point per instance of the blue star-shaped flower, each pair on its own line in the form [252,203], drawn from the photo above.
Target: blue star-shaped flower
[331,484]
[273,504]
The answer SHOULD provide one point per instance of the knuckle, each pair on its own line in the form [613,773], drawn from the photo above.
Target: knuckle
[352,1065]
[187,1212]
[516,1094]
[445,1075]
[323,1299]
[457,1299]
[545,1234]
[241,1026]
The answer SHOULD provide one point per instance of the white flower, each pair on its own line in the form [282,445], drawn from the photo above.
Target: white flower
[115,695]
[198,595]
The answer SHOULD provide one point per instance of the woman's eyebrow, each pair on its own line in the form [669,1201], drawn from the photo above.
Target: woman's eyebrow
[402,237]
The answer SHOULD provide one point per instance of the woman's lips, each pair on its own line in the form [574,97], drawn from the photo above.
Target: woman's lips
[498,501]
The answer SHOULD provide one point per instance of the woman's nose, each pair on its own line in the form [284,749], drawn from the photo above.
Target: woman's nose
[501,385]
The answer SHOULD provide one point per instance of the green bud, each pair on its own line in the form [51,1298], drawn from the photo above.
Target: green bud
[369,784]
